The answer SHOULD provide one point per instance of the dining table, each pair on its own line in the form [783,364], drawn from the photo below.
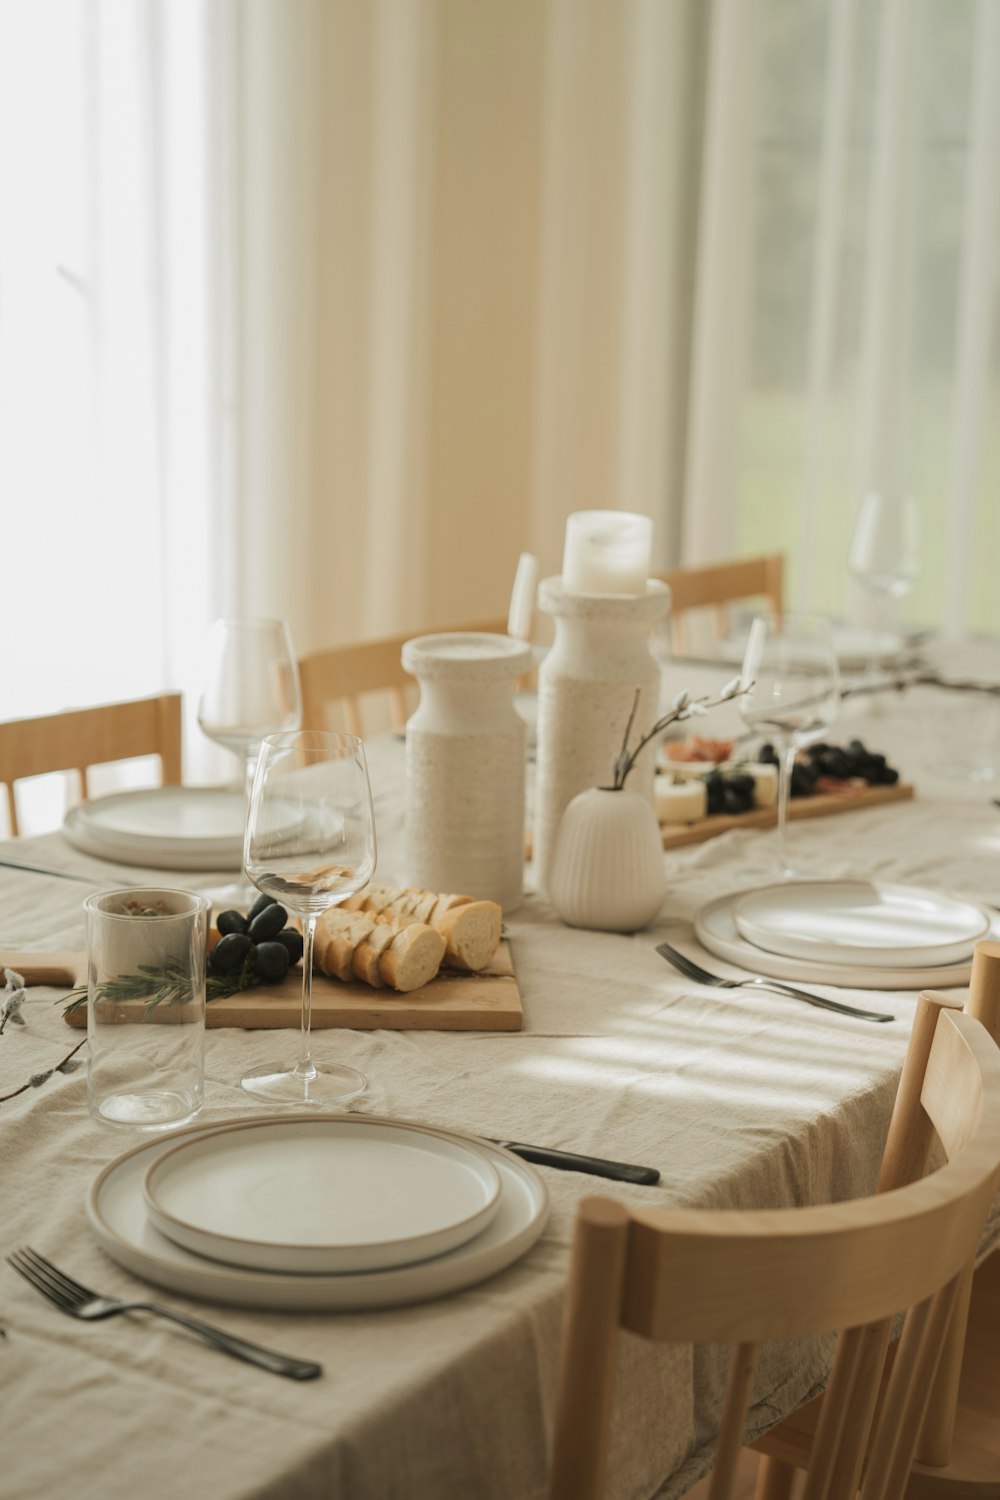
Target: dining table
[739,1098]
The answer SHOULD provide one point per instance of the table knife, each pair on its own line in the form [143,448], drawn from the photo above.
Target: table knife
[570,1161]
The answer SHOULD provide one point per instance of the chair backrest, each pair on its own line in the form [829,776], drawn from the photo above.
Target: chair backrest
[739,1278]
[717,585]
[343,675]
[84,737]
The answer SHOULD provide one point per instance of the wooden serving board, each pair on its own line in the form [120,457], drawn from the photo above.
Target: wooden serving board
[488,1001]
[821,805]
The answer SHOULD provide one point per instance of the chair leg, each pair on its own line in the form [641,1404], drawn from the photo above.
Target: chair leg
[774,1479]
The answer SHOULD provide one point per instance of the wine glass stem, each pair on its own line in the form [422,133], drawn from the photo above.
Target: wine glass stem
[304,1067]
[784,792]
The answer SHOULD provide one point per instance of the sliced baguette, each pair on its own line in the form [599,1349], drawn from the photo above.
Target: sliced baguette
[413,958]
[368,953]
[471,933]
[342,939]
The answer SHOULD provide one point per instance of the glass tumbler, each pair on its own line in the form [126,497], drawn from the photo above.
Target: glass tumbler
[146,1007]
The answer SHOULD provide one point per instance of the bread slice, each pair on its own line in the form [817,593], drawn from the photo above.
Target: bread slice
[471,933]
[413,958]
[368,953]
[342,937]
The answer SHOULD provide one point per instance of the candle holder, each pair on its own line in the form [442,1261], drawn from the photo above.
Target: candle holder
[586,690]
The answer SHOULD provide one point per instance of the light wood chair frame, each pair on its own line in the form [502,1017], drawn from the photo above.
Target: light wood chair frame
[85,737]
[344,674]
[958,1451]
[718,585]
[739,1278]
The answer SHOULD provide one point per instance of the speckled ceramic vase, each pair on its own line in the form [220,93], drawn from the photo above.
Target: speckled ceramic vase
[465,755]
[586,686]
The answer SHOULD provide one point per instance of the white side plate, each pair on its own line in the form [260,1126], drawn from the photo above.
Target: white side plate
[861,921]
[316,1195]
[715,928]
[169,828]
[117,1214]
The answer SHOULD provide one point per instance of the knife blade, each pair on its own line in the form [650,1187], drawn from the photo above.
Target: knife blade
[571,1161]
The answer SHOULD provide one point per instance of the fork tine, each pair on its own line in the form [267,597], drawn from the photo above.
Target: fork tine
[35,1279]
[38,1276]
[72,1288]
[686,965]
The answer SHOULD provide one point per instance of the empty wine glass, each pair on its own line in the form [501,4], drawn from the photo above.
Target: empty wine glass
[310,843]
[794,695]
[885,557]
[251,686]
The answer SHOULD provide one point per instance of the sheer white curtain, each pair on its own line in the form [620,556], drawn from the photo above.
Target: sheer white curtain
[847,326]
[109,388]
[329,309]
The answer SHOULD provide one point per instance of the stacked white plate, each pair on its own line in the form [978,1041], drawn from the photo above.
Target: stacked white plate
[317,1211]
[857,933]
[167,828]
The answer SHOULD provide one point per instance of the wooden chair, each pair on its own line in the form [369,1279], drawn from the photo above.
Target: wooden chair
[958,1453]
[80,738]
[344,674]
[717,585]
[738,1278]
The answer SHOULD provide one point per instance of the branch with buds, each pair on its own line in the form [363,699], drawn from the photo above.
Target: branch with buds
[683,707]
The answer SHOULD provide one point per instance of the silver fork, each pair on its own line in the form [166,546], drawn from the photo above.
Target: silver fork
[691,970]
[80,1302]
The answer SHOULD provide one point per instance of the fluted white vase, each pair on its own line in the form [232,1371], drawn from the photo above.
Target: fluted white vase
[608,870]
[586,688]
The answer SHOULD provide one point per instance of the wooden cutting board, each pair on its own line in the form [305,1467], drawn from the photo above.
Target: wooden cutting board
[488,1001]
[821,805]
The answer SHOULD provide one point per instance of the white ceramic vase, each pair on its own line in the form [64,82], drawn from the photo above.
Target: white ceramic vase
[586,688]
[465,766]
[608,870]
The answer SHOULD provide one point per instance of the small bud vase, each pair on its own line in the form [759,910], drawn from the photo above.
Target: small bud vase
[465,766]
[586,690]
[608,870]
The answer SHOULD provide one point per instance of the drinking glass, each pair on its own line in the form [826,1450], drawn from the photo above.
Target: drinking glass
[793,698]
[885,557]
[310,843]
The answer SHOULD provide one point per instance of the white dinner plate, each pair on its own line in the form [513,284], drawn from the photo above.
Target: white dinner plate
[715,928]
[860,921]
[116,1210]
[314,1195]
[171,827]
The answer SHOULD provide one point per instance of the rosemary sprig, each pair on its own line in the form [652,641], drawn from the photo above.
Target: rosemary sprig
[169,984]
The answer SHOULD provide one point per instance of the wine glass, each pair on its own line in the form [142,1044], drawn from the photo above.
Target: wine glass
[310,843]
[251,689]
[790,667]
[885,557]
[251,686]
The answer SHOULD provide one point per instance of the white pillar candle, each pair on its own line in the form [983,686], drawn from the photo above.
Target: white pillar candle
[680,801]
[607,552]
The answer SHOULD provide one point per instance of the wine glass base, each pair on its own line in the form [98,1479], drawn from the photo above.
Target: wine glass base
[322,1085]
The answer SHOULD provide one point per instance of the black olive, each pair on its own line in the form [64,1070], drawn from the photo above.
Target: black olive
[258,906]
[272,960]
[229,953]
[291,938]
[268,923]
[231,921]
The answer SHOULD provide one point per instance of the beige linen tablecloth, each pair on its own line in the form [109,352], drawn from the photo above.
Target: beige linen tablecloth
[738,1098]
